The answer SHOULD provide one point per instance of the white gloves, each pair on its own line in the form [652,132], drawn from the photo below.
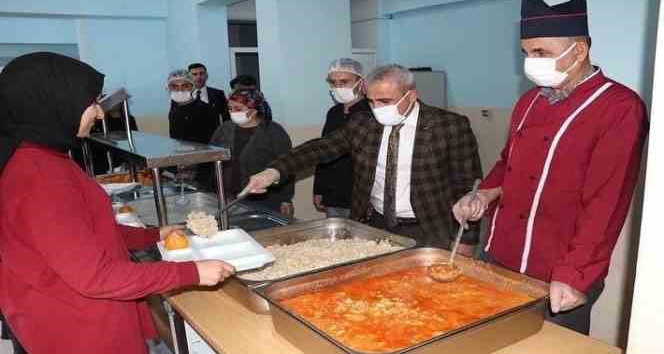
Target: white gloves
[259,182]
[564,297]
[465,209]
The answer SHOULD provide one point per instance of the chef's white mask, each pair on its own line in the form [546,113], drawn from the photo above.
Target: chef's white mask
[344,94]
[389,115]
[181,96]
[543,72]
[240,118]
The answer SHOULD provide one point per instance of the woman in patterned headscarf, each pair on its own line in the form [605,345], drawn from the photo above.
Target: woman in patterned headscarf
[254,141]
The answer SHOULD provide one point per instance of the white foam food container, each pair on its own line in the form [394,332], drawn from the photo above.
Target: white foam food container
[234,246]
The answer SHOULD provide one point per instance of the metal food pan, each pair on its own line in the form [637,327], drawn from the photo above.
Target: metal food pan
[256,220]
[177,212]
[484,336]
[333,228]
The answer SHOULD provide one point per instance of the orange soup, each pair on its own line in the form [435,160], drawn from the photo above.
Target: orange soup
[398,310]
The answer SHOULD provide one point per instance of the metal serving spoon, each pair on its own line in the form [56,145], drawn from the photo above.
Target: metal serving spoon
[447,272]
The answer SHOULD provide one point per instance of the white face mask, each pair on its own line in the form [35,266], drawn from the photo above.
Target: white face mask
[344,94]
[181,96]
[543,72]
[389,115]
[240,118]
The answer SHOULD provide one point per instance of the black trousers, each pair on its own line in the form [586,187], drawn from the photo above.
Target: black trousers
[412,230]
[577,319]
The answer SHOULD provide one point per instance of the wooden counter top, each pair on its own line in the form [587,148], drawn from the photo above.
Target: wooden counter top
[232,329]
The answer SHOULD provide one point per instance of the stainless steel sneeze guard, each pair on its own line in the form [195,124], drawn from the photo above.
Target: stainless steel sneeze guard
[154,152]
[157,151]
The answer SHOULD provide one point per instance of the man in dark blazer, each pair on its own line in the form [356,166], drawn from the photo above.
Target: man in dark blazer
[209,95]
[411,161]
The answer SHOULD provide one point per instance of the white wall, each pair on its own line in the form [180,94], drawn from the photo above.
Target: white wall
[125,40]
[647,322]
[364,23]
[242,10]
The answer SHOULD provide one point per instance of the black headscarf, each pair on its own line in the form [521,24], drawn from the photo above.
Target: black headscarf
[42,98]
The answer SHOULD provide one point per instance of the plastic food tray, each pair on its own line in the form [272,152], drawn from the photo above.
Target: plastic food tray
[233,246]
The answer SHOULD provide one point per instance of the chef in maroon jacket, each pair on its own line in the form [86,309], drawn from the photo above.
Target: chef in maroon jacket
[560,192]
[67,284]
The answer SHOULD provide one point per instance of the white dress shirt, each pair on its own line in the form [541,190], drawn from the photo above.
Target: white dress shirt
[204,94]
[404,208]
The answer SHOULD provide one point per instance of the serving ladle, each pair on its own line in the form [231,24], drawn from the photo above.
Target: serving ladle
[449,272]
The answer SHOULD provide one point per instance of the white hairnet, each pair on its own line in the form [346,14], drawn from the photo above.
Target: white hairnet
[180,74]
[345,65]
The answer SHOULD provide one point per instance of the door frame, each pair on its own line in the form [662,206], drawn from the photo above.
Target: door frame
[233,51]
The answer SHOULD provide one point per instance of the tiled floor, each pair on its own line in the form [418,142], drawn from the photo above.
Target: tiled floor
[5,346]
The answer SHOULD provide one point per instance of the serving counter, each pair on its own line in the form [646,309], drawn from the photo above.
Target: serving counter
[230,328]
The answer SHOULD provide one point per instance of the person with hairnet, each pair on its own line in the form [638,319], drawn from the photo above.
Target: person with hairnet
[189,119]
[333,182]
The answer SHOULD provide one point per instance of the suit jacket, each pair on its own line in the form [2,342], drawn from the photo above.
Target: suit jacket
[444,168]
[218,100]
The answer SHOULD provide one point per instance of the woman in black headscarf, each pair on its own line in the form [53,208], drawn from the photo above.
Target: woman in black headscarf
[66,282]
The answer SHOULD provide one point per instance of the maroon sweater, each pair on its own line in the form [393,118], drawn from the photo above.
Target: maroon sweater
[66,282]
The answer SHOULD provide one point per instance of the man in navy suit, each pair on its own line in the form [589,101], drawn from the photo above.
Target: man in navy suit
[209,95]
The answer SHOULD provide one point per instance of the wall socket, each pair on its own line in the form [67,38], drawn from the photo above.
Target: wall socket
[486,113]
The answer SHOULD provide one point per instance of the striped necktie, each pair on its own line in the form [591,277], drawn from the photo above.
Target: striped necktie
[391,170]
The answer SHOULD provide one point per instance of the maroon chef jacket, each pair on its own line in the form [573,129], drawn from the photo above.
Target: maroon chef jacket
[567,181]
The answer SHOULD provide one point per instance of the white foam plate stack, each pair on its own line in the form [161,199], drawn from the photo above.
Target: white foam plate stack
[234,246]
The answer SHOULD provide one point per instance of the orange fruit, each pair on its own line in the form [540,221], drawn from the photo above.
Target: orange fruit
[125,209]
[176,240]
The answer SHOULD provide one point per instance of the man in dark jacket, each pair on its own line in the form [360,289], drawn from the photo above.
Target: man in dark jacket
[333,182]
[208,95]
[189,119]
[411,162]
